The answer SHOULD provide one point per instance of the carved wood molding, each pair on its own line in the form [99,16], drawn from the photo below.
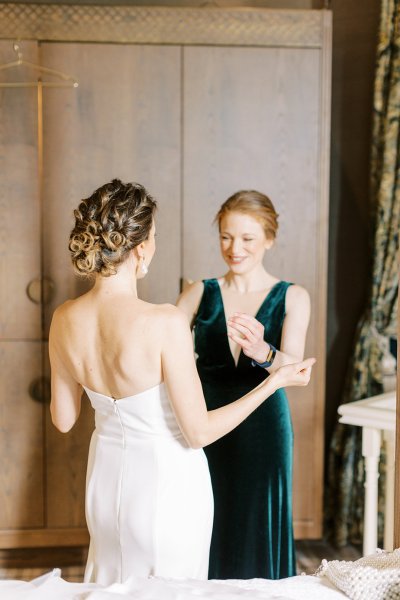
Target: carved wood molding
[162,25]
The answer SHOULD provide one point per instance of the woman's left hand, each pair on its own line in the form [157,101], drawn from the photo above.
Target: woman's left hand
[248,333]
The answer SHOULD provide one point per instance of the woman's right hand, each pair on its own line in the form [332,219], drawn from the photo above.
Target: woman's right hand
[295,374]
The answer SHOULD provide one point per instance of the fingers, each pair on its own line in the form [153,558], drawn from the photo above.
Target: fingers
[249,327]
[245,331]
[245,317]
[304,373]
[306,364]
[297,374]
[305,376]
[247,321]
[241,341]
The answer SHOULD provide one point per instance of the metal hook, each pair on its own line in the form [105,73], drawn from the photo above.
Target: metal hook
[17,50]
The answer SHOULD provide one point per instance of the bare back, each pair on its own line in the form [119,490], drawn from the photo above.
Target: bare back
[110,344]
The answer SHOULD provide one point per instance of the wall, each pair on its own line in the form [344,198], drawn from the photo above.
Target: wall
[355,26]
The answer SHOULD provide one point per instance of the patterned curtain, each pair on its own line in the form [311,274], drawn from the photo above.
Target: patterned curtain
[345,489]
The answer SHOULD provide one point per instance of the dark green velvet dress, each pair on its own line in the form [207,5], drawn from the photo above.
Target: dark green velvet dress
[251,467]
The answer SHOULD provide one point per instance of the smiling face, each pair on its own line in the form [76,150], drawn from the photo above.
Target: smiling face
[242,241]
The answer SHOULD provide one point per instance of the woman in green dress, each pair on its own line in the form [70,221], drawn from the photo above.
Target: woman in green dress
[247,324]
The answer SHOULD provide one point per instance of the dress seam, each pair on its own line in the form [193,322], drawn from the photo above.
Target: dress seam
[116,409]
[155,509]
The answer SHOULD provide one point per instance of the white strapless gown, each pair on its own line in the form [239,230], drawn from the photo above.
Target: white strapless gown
[149,503]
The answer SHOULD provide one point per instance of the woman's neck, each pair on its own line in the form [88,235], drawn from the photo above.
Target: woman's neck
[256,280]
[123,282]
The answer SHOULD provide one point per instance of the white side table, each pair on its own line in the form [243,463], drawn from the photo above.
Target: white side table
[377,417]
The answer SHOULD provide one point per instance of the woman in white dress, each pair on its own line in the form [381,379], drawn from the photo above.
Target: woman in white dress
[149,504]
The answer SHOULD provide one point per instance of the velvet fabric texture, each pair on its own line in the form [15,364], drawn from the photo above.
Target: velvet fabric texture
[251,467]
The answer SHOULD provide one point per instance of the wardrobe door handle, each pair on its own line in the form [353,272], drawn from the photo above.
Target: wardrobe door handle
[40,390]
[40,290]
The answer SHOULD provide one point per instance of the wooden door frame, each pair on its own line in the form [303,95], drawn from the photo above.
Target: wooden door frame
[166,25]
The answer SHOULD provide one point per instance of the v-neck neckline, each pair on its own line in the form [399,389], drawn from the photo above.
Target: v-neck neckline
[259,310]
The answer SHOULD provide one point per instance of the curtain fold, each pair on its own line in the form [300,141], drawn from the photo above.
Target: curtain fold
[345,477]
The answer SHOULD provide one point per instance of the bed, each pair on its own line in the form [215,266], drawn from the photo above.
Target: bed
[372,577]
[52,586]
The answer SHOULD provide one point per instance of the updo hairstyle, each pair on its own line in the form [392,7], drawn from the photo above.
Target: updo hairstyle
[254,204]
[114,219]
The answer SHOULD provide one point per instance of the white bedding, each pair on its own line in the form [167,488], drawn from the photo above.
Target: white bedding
[51,586]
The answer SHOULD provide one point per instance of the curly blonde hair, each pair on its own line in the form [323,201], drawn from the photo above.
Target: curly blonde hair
[256,205]
[114,219]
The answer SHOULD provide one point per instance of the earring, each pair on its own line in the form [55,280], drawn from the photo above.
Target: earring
[143,267]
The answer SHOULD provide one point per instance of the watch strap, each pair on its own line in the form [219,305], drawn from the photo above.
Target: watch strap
[270,358]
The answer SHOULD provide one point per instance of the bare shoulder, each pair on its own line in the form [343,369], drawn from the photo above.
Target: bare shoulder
[59,324]
[189,299]
[61,312]
[169,315]
[171,326]
[297,297]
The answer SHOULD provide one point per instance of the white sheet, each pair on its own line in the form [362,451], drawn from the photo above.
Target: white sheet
[51,586]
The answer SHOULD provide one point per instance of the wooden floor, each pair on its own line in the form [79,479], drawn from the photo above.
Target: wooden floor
[309,554]
[30,563]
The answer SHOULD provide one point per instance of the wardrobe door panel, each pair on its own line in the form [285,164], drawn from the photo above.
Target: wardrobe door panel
[21,440]
[21,418]
[254,125]
[122,121]
[252,121]
[19,199]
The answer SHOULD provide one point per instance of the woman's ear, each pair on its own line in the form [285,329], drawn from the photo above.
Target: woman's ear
[139,251]
[269,243]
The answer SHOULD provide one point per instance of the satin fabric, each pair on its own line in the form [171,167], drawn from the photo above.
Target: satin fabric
[149,504]
[251,467]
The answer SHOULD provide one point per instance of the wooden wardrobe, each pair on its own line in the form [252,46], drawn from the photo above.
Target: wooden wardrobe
[195,104]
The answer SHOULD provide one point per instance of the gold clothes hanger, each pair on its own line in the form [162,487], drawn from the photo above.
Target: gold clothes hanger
[66,80]
[41,285]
